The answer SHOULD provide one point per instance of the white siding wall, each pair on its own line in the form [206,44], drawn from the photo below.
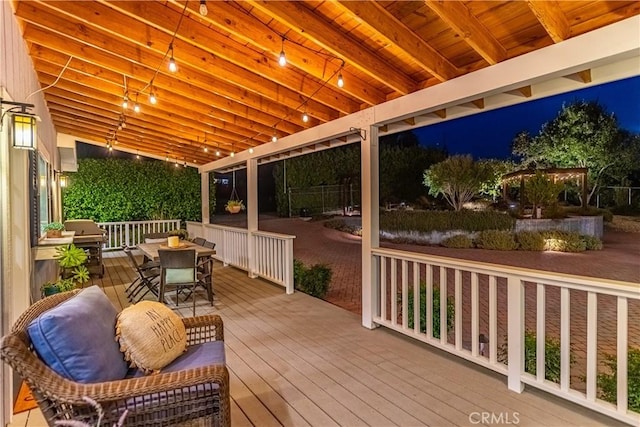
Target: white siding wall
[17,81]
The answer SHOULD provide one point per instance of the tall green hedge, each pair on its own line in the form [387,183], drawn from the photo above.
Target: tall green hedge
[401,171]
[133,190]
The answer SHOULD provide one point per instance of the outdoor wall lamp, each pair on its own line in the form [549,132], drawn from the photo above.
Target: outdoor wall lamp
[22,131]
[63,181]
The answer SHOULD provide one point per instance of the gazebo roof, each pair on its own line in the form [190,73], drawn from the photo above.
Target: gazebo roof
[562,173]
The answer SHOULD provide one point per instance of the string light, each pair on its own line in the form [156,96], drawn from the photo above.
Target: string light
[136,106]
[206,149]
[203,8]
[282,59]
[274,138]
[172,62]
[340,80]
[218,153]
[251,150]
[232,154]
[125,100]
[152,96]
[305,117]
[138,154]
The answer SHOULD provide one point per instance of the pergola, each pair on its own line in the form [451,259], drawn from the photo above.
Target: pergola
[555,174]
[404,64]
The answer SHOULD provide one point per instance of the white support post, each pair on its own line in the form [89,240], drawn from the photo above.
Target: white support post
[204,196]
[252,214]
[515,333]
[288,266]
[370,223]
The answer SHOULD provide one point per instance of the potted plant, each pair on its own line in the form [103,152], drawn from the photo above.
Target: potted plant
[73,271]
[54,229]
[180,232]
[234,206]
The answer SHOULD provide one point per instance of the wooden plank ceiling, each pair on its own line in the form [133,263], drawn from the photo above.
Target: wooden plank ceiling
[229,92]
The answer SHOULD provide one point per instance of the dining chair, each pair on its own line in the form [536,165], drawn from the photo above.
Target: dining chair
[209,245]
[147,280]
[199,241]
[178,270]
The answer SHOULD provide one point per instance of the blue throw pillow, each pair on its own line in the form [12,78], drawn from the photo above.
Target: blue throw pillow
[77,338]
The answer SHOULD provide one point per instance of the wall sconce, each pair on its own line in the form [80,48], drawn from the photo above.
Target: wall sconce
[22,131]
[62,179]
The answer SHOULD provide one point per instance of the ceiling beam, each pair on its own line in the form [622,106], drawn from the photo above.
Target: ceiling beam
[152,24]
[76,39]
[309,25]
[206,122]
[460,19]
[375,16]
[227,17]
[551,17]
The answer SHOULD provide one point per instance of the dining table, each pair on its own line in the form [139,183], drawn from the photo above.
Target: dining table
[150,250]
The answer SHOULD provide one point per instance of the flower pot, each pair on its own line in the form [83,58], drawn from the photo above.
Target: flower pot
[234,209]
[54,234]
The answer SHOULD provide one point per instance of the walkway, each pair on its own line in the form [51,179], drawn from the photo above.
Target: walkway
[620,259]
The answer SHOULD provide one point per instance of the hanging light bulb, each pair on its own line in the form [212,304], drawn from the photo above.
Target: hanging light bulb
[166,159]
[206,149]
[274,138]
[125,101]
[185,164]
[152,97]
[136,107]
[340,80]
[176,164]
[124,122]
[137,154]
[282,59]
[232,154]
[203,8]
[251,150]
[218,153]
[172,62]
[305,117]
[110,148]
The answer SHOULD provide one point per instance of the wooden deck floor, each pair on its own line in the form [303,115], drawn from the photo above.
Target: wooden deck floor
[295,360]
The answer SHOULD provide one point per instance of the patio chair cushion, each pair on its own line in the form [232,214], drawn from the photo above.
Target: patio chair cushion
[77,338]
[151,335]
[198,355]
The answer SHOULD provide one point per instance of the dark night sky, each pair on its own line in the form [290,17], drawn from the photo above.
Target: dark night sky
[489,134]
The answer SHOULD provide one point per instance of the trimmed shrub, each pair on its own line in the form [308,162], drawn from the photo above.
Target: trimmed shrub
[606,214]
[459,241]
[500,240]
[563,241]
[314,280]
[428,221]
[530,241]
[551,356]
[608,381]
[592,243]
[436,310]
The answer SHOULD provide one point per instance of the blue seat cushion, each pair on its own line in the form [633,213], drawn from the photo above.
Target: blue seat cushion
[77,338]
[207,353]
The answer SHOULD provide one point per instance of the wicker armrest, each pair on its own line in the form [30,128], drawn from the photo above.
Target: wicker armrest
[204,329]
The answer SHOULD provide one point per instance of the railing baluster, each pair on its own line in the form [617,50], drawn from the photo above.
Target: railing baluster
[592,345]
[443,305]
[429,298]
[458,309]
[540,332]
[621,355]
[405,294]
[416,297]
[475,315]
[393,298]
[565,339]
[383,288]
[493,319]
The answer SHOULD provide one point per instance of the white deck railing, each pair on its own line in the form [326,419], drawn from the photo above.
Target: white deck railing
[270,255]
[130,233]
[500,303]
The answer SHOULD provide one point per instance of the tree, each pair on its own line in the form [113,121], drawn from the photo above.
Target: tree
[583,134]
[542,191]
[458,179]
[496,169]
